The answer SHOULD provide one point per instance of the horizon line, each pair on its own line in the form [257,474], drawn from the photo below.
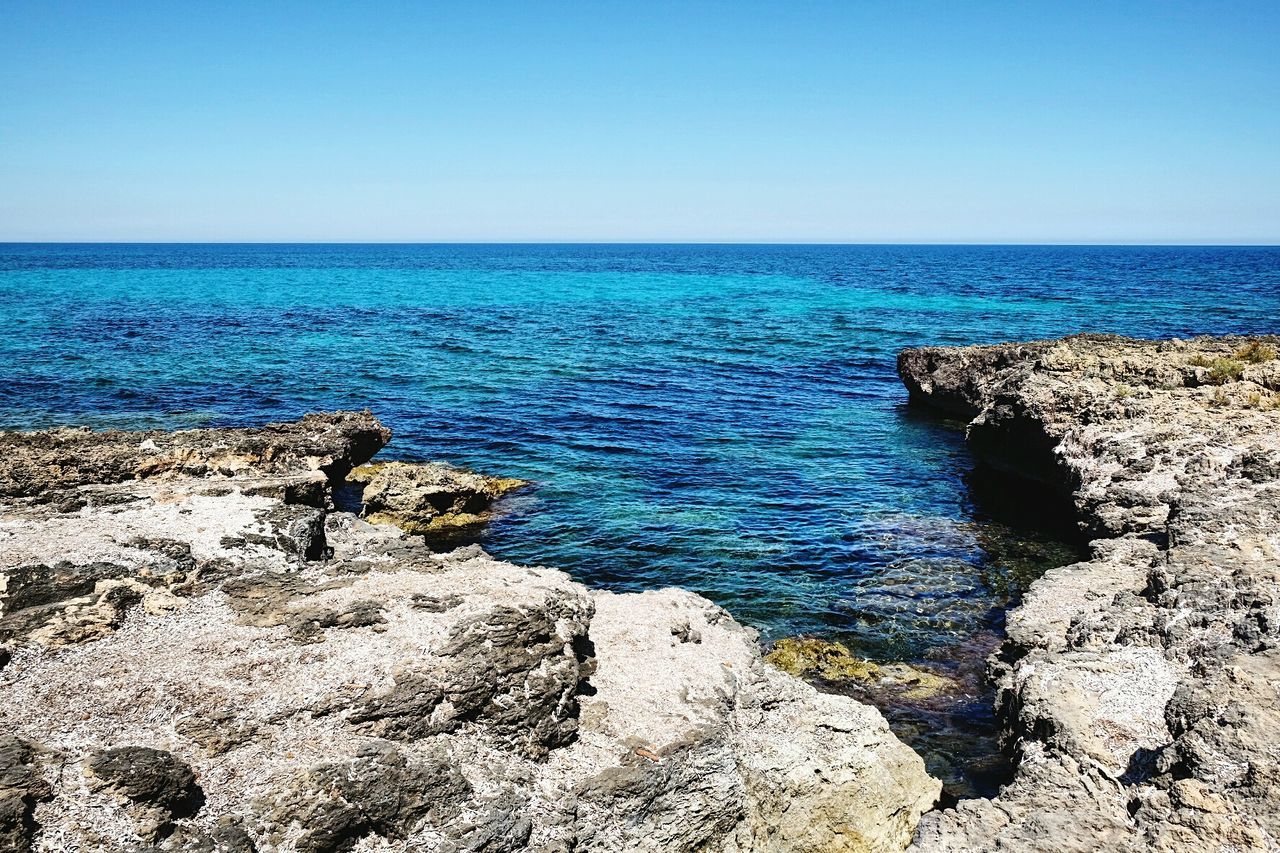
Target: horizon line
[920,243]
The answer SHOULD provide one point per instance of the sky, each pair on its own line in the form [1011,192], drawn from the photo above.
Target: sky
[1075,122]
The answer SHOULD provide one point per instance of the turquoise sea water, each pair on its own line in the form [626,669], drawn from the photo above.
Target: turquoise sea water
[724,418]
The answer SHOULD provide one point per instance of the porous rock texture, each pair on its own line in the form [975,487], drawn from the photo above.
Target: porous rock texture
[1141,688]
[201,654]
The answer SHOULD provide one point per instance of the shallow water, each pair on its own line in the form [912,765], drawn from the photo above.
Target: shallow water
[724,418]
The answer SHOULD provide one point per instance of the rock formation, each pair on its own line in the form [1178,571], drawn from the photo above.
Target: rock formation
[826,661]
[433,499]
[1141,688]
[200,654]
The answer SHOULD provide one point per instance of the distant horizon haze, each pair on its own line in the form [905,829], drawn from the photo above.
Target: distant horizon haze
[987,123]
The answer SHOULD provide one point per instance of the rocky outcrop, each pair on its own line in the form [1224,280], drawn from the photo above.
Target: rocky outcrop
[201,654]
[22,786]
[429,498]
[158,784]
[53,464]
[1139,688]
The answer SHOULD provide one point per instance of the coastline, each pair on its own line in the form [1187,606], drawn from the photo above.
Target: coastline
[203,655]
[206,581]
[1137,688]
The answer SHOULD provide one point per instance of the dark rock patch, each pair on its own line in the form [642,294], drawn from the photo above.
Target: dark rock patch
[379,791]
[36,586]
[22,787]
[227,838]
[507,667]
[150,776]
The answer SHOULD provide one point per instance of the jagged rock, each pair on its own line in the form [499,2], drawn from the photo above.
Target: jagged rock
[158,781]
[43,464]
[516,669]
[21,788]
[143,518]
[33,596]
[1137,687]
[270,600]
[428,498]
[34,586]
[293,530]
[737,755]
[380,791]
[334,683]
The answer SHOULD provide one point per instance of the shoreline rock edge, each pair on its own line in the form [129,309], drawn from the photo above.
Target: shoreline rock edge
[201,654]
[1140,689]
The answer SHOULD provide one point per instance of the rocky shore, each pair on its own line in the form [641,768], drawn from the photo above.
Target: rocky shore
[200,652]
[1140,689]
[221,641]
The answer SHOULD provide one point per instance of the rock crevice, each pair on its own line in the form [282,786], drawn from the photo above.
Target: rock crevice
[1139,687]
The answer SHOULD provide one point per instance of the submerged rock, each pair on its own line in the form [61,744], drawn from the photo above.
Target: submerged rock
[1131,685]
[829,661]
[815,658]
[217,667]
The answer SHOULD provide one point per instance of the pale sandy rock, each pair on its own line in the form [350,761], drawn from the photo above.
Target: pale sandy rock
[772,764]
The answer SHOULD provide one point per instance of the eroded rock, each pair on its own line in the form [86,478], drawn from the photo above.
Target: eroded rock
[323,683]
[428,498]
[22,786]
[49,464]
[379,791]
[518,669]
[1131,683]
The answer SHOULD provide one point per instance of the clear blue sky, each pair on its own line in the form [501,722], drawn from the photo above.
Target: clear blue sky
[787,121]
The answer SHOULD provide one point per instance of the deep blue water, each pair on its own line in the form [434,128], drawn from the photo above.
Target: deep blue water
[724,418]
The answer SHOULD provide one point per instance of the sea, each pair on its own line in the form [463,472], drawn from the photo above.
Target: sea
[725,418]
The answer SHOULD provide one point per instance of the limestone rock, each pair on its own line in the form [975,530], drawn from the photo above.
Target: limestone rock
[740,755]
[1132,684]
[428,498]
[280,676]
[379,791]
[43,464]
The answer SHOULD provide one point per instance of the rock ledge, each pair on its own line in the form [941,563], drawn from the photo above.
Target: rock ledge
[1141,688]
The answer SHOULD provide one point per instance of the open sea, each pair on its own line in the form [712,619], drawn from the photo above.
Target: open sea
[722,418]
